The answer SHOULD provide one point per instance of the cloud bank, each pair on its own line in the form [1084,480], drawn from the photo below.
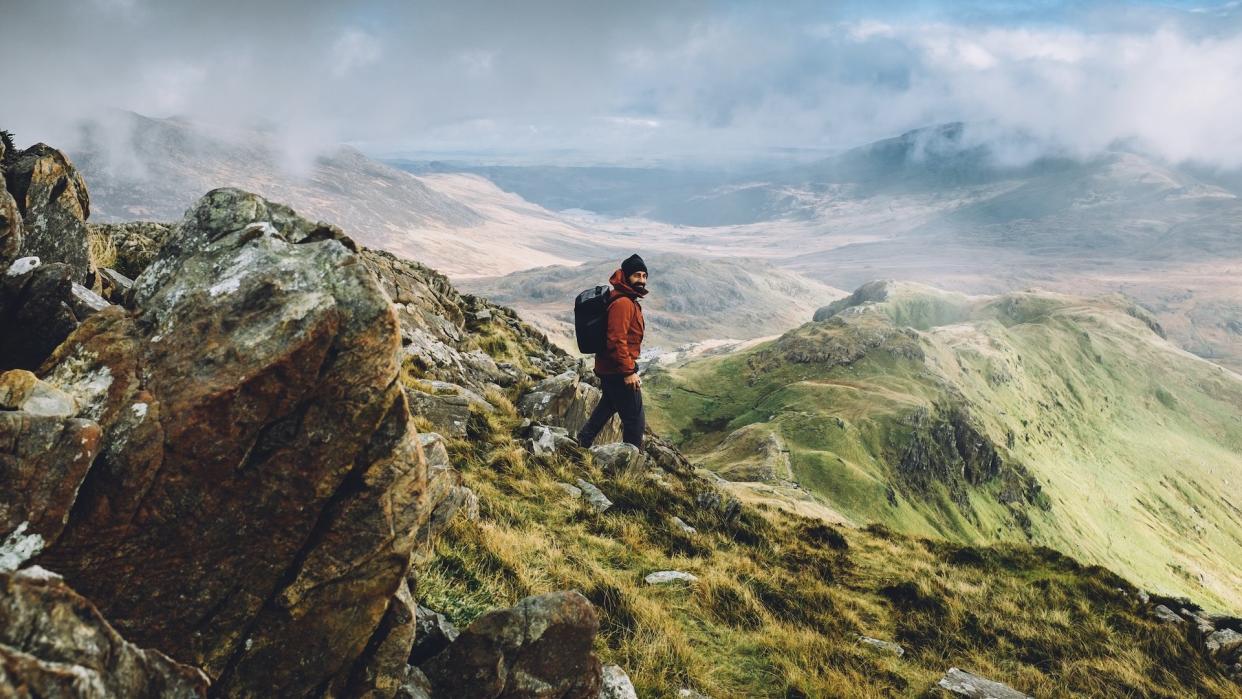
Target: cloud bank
[639,80]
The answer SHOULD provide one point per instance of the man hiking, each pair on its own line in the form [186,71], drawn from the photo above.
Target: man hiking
[617,364]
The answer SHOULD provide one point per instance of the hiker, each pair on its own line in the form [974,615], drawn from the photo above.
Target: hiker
[617,364]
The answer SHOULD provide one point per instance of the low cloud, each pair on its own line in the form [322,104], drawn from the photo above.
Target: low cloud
[634,81]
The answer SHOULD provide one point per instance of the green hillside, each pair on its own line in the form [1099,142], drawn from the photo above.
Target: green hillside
[1031,416]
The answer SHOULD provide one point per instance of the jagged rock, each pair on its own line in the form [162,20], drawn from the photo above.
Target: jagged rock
[136,243]
[446,495]
[446,406]
[1167,615]
[886,646]
[538,649]
[415,686]
[433,326]
[54,205]
[572,491]
[257,445]
[1223,643]
[965,684]
[594,496]
[384,670]
[542,439]
[687,693]
[664,577]
[10,225]
[433,634]
[617,457]
[566,401]
[712,499]
[616,684]
[54,643]
[84,302]
[36,312]
[44,454]
[665,455]
[116,285]
[681,524]
[22,390]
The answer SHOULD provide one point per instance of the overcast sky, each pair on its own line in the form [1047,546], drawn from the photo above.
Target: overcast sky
[636,80]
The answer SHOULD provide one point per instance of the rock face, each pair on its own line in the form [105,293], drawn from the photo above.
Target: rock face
[54,204]
[566,401]
[36,311]
[53,643]
[10,215]
[44,455]
[252,509]
[538,649]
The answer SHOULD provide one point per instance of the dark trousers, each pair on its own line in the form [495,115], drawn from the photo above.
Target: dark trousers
[622,400]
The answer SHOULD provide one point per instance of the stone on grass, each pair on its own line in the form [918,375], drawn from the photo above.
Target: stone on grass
[665,577]
[965,684]
[617,684]
[594,496]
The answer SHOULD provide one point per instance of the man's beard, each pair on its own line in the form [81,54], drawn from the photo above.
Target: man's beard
[639,286]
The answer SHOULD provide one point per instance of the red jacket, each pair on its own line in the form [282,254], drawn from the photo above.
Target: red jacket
[624,338]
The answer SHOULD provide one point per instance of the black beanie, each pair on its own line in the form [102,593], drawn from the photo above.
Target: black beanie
[633,264]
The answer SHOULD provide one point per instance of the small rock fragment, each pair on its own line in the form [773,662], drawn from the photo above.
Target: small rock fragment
[594,496]
[616,684]
[965,684]
[664,577]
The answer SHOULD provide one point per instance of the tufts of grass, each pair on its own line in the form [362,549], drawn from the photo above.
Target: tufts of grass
[781,599]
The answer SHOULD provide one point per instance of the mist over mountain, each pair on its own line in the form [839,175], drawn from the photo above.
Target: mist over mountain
[955,207]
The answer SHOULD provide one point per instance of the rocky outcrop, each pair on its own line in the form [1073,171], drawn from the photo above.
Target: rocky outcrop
[54,205]
[54,643]
[253,506]
[538,649]
[441,330]
[565,400]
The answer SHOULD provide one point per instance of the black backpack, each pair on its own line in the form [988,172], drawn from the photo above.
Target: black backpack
[591,319]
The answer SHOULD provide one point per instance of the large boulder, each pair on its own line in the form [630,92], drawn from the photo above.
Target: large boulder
[538,649]
[52,198]
[36,311]
[252,510]
[565,400]
[54,643]
[384,670]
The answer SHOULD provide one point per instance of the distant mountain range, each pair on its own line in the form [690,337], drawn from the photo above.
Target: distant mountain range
[462,224]
[693,298]
[940,206]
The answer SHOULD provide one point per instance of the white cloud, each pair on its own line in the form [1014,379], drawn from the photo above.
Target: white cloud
[354,49]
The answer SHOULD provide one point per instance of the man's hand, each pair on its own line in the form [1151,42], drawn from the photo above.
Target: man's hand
[633,381]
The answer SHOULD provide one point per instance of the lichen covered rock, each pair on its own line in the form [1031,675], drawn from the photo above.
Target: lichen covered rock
[256,442]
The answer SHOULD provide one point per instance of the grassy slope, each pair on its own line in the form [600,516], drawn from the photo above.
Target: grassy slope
[1136,445]
[781,598]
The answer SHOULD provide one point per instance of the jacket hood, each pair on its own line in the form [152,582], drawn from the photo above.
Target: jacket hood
[621,286]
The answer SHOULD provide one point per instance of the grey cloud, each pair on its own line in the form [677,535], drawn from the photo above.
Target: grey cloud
[633,80]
